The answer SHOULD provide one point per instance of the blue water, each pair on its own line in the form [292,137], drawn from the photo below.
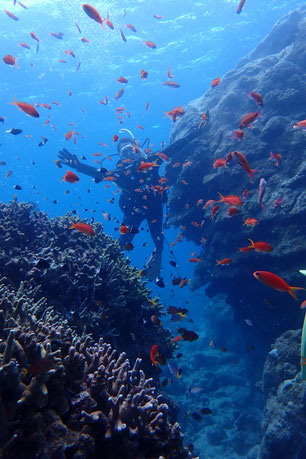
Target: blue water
[197,40]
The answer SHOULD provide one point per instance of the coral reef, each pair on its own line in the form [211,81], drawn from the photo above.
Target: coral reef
[284,420]
[65,396]
[85,278]
[275,69]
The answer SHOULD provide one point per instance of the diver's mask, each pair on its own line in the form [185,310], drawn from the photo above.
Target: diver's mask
[126,148]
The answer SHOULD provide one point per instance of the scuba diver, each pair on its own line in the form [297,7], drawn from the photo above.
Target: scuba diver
[142,195]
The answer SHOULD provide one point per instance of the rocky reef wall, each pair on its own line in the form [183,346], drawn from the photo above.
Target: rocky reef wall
[276,70]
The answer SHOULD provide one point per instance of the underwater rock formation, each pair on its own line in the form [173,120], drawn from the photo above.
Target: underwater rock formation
[276,70]
[86,279]
[284,420]
[65,396]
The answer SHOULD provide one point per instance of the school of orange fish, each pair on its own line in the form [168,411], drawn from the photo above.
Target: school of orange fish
[233,202]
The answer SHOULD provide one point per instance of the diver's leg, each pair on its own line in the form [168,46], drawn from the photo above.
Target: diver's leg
[131,220]
[155,223]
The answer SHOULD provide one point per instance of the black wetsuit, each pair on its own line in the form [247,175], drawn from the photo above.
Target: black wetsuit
[139,201]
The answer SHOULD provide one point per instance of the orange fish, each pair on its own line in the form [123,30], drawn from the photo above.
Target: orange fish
[58,164]
[10,60]
[110,24]
[24,45]
[131,27]
[232,211]
[215,82]
[300,125]
[170,75]
[122,80]
[11,15]
[92,13]
[276,282]
[244,164]
[115,138]
[154,354]
[26,108]
[119,94]
[238,134]
[277,157]
[260,246]
[214,211]
[240,6]
[163,156]
[225,261]
[251,222]
[69,135]
[194,260]
[144,74]
[177,111]
[248,119]
[246,249]
[203,121]
[209,203]
[70,177]
[34,36]
[123,229]
[257,98]
[177,339]
[231,200]
[171,84]
[83,228]
[145,166]
[84,40]
[150,44]
[69,51]
[220,162]
[157,16]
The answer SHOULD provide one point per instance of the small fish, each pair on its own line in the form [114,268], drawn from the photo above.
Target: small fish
[173,114]
[214,210]
[17,187]
[2,163]
[156,320]
[300,125]
[174,370]
[122,35]
[8,173]
[26,108]
[122,80]
[144,74]
[83,228]
[231,200]
[194,260]
[78,27]
[188,335]
[92,13]
[240,6]
[34,36]
[232,211]
[171,84]
[260,246]
[119,94]
[225,261]
[248,119]
[220,162]
[58,163]
[10,60]
[215,82]
[70,177]
[160,282]
[146,166]
[244,164]
[58,35]
[131,27]
[257,98]
[276,282]
[154,354]
[238,134]
[277,203]
[123,229]
[14,131]
[150,44]
[128,247]
[277,157]
[250,222]
[11,15]
[248,322]
[261,192]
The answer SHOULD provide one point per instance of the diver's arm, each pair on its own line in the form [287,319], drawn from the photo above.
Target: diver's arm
[72,161]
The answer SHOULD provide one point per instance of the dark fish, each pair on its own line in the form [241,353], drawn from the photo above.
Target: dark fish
[179,355]
[129,246]
[43,142]
[2,163]
[42,264]
[196,416]
[14,131]
[159,282]
[205,411]
[173,310]
[55,201]
[134,230]
[176,281]
[164,383]
[2,118]
[83,157]
[17,187]
[188,335]
[173,263]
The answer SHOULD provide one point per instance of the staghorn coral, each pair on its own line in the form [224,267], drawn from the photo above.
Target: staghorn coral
[86,278]
[87,402]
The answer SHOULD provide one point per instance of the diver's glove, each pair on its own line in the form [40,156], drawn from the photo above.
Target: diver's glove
[69,159]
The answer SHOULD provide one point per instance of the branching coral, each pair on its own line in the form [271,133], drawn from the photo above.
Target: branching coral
[86,279]
[64,396]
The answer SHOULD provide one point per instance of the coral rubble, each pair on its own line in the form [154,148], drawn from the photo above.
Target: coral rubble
[86,279]
[64,396]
